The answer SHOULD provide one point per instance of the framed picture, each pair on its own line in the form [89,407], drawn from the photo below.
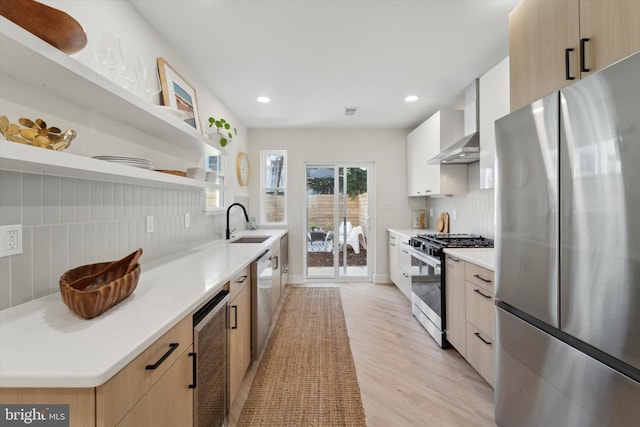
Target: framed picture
[178,93]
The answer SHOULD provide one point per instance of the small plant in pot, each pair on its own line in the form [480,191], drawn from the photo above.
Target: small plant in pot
[223,130]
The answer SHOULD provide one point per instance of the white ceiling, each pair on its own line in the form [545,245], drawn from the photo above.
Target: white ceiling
[314,58]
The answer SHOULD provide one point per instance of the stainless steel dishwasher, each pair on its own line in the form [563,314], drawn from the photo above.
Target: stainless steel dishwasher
[210,362]
[261,284]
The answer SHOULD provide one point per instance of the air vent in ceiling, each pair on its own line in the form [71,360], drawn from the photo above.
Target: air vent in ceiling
[350,111]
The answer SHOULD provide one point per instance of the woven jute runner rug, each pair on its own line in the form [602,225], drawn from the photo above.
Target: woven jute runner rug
[307,376]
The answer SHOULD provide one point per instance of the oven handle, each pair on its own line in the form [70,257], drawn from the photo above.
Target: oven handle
[433,262]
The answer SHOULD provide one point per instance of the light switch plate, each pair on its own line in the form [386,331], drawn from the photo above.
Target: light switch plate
[149,223]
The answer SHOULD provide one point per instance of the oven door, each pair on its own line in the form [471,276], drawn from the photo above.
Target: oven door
[426,293]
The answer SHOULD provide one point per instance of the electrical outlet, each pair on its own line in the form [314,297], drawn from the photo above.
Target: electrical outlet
[430,211]
[10,240]
[149,223]
[187,220]
[454,214]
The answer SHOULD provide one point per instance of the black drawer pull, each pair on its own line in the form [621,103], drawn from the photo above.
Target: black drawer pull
[583,66]
[454,259]
[172,348]
[567,74]
[235,317]
[241,279]
[477,276]
[480,293]
[477,334]
[195,371]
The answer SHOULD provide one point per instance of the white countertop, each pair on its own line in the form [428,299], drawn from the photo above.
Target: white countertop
[484,257]
[44,344]
[412,231]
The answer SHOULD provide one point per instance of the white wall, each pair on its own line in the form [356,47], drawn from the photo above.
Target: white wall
[385,148]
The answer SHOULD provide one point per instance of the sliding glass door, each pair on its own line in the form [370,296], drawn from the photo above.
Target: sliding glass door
[337,221]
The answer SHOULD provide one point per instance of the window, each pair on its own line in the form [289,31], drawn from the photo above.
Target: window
[273,187]
[214,197]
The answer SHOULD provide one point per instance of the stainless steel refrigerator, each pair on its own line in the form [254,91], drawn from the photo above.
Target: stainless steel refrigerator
[568,255]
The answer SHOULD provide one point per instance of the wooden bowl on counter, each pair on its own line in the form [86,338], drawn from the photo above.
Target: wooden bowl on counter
[92,289]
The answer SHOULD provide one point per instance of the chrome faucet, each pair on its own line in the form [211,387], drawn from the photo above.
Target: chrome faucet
[228,232]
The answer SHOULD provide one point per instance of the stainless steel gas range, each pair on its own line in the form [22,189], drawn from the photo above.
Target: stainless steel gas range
[428,277]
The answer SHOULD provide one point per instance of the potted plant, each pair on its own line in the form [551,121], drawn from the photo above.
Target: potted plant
[223,133]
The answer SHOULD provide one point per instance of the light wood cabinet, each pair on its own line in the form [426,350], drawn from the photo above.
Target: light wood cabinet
[135,396]
[470,314]
[480,314]
[554,43]
[239,333]
[425,142]
[169,402]
[455,303]
[124,390]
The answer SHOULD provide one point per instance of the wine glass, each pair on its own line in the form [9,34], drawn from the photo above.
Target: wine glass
[110,56]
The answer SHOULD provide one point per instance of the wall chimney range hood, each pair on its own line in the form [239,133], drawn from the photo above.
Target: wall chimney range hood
[466,150]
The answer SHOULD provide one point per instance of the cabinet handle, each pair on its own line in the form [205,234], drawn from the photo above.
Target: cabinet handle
[275,259]
[454,259]
[235,317]
[172,348]
[241,279]
[566,63]
[477,334]
[477,276]
[194,381]
[392,244]
[427,191]
[481,294]
[405,274]
[583,66]
[405,251]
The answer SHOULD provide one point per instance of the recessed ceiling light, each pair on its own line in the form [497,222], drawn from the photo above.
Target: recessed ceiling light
[263,99]
[411,98]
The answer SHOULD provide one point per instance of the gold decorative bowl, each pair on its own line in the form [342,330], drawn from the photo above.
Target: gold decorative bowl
[36,133]
[92,289]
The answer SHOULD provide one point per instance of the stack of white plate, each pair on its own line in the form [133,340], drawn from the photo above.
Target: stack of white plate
[129,161]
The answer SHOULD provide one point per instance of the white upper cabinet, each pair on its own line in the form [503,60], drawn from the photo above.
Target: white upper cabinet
[425,142]
[494,104]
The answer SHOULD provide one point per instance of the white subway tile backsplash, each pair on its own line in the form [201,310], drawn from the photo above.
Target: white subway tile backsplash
[42,261]
[60,253]
[10,197]
[89,243]
[51,202]
[118,201]
[83,200]
[32,198]
[68,222]
[107,201]
[67,200]
[97,202]
[102,236]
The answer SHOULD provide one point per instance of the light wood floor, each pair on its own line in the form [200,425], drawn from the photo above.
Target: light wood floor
[404,377]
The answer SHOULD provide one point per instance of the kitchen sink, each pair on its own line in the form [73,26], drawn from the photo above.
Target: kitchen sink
[250,239]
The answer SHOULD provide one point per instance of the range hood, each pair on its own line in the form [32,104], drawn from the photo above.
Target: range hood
[466,150]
